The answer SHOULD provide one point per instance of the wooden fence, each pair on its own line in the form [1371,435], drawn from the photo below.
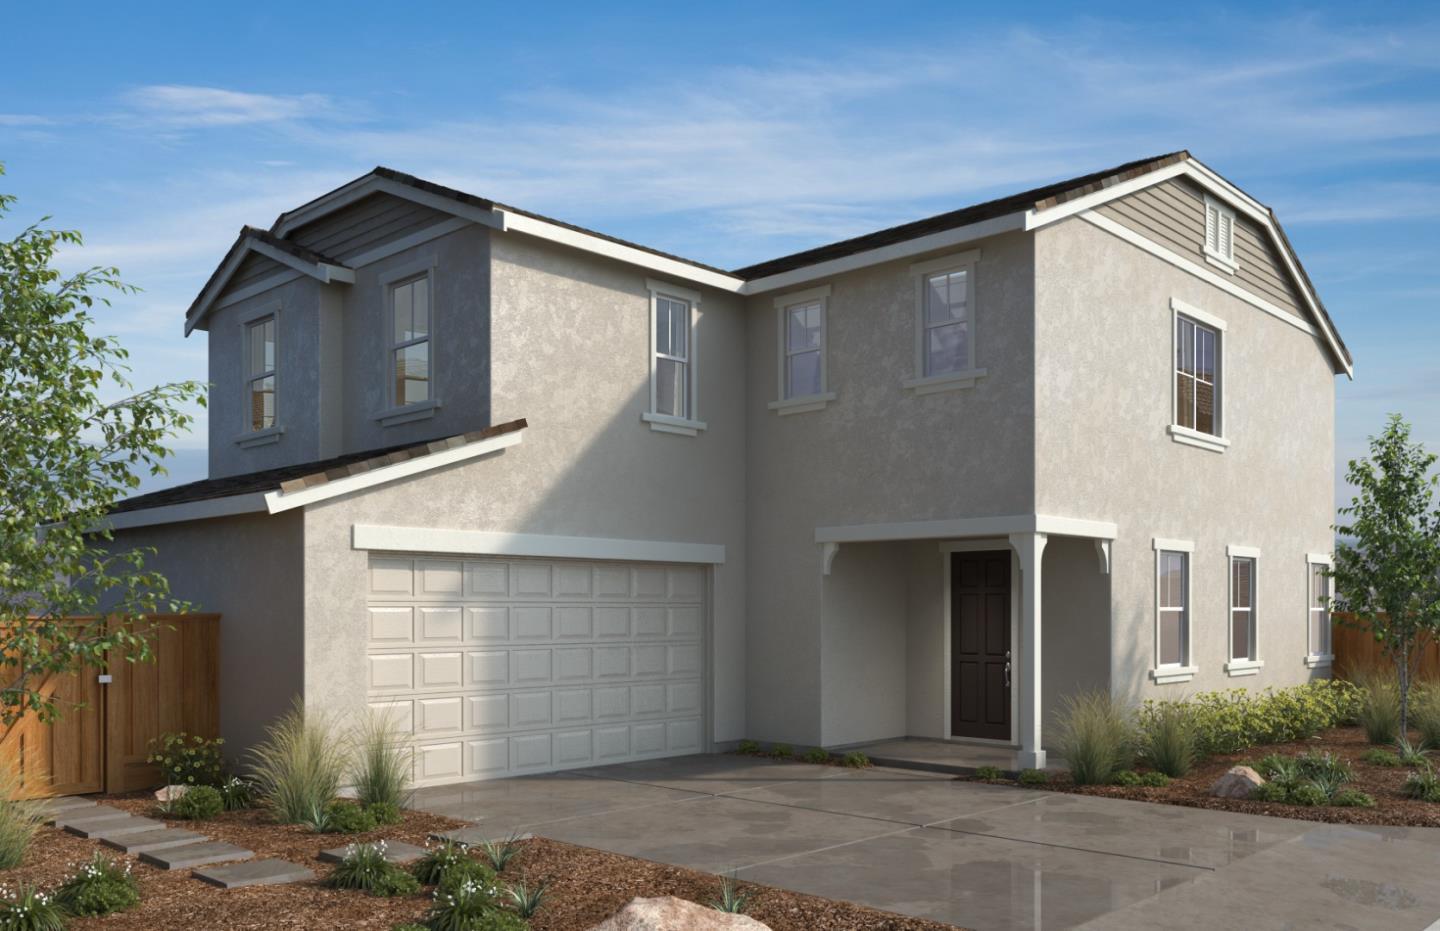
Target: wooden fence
[101,740]
[1355,648]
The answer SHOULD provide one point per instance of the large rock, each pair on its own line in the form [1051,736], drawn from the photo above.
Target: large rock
[671,914]
[1238,782]
[171,793]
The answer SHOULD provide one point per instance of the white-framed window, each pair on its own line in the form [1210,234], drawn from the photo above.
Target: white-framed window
[1220,235]
[411,369]
[1244,611]
[803,341]
[1317,614]
[260,368]
[945,323]
[1172,612]
[1197,403]
[673,382]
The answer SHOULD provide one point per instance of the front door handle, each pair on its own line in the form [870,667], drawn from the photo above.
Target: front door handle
[1007,669]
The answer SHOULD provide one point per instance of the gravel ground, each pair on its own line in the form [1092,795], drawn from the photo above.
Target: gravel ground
[1349,742]
[587,885]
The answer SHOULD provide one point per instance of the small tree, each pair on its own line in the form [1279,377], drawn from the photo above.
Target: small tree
[65,458]
[1389,577]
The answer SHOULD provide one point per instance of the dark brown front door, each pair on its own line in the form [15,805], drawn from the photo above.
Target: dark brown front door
[980,645]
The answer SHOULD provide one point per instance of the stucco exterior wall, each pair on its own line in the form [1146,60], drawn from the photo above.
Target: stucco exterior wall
[1105,359]
[863,646]
[1074,627]
[249,569]
[877,453]
[570,335]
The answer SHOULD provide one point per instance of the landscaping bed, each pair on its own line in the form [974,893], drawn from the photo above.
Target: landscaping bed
[1348,743]
[587,885]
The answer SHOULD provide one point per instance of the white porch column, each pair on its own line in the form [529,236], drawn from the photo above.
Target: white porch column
[1030,547]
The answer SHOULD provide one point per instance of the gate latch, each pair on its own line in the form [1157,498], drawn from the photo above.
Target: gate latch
[106,678]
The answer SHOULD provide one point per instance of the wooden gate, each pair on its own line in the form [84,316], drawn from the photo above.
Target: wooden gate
[101,739]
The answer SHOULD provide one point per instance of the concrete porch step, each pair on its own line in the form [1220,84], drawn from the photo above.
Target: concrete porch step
[192,855]
[256,873]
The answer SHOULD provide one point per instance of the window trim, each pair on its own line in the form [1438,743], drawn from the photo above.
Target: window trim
[1185,670]
[800,404]
[396,413]
[666,423]
[1252,665]
[922,383]
[1313,659]
[1187,436]
[1213,254]
[248,438]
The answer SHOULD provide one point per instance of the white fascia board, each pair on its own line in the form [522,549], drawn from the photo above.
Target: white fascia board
[491,543]
[899,250]
[1037,218]
[519,223]
[277,501]
[967,527]
[253,503]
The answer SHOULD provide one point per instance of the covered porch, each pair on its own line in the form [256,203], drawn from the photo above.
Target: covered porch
[962,635]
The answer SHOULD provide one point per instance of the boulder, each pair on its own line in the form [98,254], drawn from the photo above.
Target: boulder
[1238,782]
[170,793]
[671,914]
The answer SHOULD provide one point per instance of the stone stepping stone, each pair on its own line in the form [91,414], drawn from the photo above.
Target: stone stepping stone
[395,852]
[202,854]
[113,827]
[95,813]
[152,840]
[68,803]
[475,836]
[256,873]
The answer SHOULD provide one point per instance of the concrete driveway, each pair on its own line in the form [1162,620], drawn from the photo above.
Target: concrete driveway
[985,857]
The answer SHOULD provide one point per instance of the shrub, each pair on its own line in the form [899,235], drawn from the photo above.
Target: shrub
[1154,780]
[410,926]
[732,899]
[385,759]
[341,818]
[1352,798]
[468,903]
[781,751]
[384,813]
[1378,757]
[1422,785]
[1233,720]
[1411,754]
[1425,713]
[816,755]
[1271,792]
[1379,710]
[1168,736]
[1034,777]
[988,773]
[499,853]
[19,820]
[1308,794]
[468,870]
[1280,769]
[747,746]
[200,803]
[855,760]
[1323,766]
[439,860]
[187,759]
[237,793]
[1126,777]
[1094,737]
[99,887]
[366,868]
[527,899]
[28,909]
[299,766]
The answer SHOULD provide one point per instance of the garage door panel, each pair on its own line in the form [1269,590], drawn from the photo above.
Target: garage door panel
[506,666]
[400,714]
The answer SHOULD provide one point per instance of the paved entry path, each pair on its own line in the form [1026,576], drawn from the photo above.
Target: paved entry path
[981,856]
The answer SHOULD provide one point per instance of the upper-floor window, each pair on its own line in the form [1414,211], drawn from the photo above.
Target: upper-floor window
[945,323]
[803,322]
[260,373]
[1318,619]
[1198,404]
[672,360]
[1172,611]
[410,350]
[1220,235]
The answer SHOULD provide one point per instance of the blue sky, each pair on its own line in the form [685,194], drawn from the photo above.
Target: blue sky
[730,134]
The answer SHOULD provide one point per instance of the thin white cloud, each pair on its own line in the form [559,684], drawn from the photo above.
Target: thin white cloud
[185,105]
[26,119]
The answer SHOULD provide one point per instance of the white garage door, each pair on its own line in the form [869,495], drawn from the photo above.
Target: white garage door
[508,666]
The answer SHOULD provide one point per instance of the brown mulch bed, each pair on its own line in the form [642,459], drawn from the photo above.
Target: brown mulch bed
[1391,807]
[587,885]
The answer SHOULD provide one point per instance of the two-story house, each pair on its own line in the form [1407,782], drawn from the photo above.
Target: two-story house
[556,499]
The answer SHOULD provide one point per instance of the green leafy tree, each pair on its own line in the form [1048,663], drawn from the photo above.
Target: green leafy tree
[66,456]
[1388,578]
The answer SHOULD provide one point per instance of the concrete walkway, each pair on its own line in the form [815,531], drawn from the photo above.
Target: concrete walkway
[985,857]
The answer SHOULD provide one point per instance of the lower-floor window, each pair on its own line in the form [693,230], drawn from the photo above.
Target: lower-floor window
[1174,619]
[1319,609]
[1242,607]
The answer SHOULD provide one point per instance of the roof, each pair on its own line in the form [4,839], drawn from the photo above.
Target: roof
[308,474]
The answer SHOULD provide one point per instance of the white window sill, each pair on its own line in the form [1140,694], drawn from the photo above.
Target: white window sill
[1316,660]
[1244,667]
[664,423]
[420,410]
[259,437]
[1230,266]
[810,402]
[1195,438]
[948,382]
[1169,675]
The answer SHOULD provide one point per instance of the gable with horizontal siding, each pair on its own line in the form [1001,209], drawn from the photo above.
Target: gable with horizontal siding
[1172,214]
[364,225]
